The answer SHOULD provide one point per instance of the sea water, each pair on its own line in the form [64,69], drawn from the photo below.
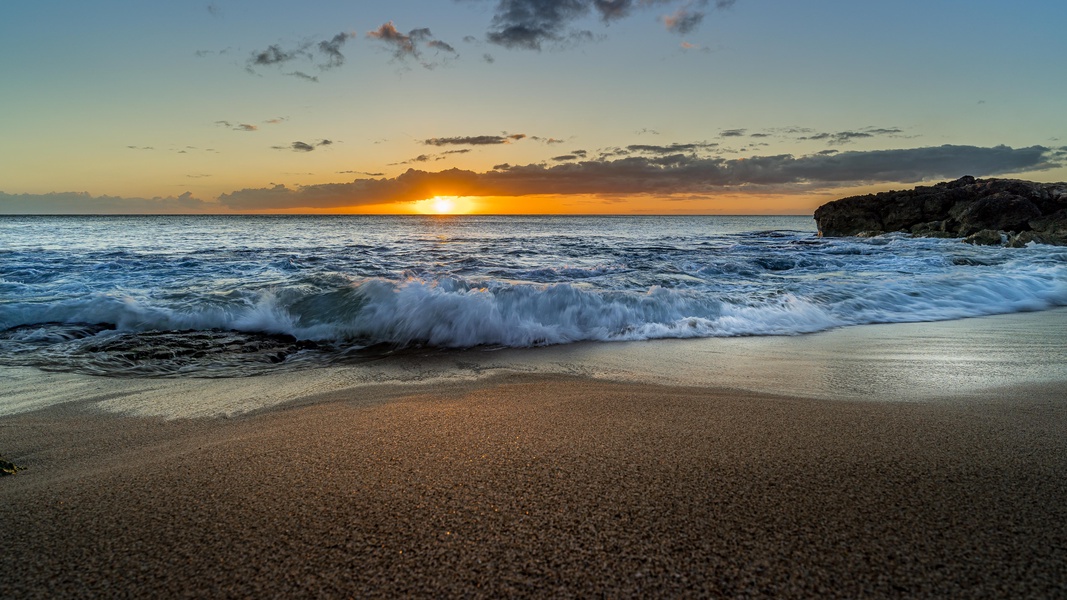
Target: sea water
[223,296]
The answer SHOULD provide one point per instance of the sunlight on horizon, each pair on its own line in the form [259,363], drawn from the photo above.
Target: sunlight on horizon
[444,205]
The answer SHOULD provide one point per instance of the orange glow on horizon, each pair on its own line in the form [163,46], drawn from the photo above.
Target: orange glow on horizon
[734,203]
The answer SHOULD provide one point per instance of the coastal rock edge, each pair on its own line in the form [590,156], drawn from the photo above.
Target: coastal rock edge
[977,210]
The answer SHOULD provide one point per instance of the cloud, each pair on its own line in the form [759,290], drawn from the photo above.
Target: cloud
[304,76]
[476,140]
[304,146]
[661,175]
[274,55]
[668,149]
[325,55]
[527,24]
[236,126]
[331,49]
[439,45]
[683,20]
[732,133]
[846,137]
[407,45]
[59,203]
[533,24]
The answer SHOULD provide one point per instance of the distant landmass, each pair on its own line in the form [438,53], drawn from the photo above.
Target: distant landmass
[1011,212]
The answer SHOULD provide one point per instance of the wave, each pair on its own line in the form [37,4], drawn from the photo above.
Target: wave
[452,312]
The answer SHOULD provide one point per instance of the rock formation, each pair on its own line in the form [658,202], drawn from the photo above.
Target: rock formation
[982,211]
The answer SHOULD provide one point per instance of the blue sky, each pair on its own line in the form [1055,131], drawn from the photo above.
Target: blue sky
[696,106]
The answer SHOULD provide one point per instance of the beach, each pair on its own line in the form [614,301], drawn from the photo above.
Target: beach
[564,483]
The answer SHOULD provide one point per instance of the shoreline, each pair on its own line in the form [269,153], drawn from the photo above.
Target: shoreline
[912,362]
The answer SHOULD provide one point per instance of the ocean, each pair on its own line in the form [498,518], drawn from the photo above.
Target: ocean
[234,296]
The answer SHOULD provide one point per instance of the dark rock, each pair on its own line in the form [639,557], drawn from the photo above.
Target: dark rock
[7,468]
[958,208]
[1002,211]
[986,237]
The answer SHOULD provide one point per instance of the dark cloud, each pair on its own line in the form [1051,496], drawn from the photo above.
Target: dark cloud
[527,24]
[475,140]
[565,157]
[304,76]
[846,137]
[545,140]
[325,55]
[203,53]
[65,203]
[613,9]
[304,146]
[331,49]
[668,149]
[732,133]
[417,159]
[237,126]
[140,147]
[406,46]
[684,20]
[663,175]
[439,45]
[532,24]
[488,58]
[214,10]
[274,55]
[463,151]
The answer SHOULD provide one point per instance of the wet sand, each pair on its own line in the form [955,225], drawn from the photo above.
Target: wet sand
[544,486]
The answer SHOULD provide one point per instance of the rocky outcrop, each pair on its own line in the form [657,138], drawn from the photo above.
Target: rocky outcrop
[982,211]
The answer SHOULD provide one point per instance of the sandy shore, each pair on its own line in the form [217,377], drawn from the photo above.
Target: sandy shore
[546,486]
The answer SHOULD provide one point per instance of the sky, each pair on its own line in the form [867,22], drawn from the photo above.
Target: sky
[519,106]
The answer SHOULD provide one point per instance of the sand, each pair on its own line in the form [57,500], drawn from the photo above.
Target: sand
[908,460]
[545,486]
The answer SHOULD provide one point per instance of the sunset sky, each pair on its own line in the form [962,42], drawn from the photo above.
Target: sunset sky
[519,106]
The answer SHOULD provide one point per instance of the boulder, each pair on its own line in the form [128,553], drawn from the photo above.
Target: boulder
[961,208]
[7,468]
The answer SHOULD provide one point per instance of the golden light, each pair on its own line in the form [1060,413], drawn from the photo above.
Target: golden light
[443,205]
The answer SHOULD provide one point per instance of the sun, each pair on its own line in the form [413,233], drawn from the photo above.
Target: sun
[443,205]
